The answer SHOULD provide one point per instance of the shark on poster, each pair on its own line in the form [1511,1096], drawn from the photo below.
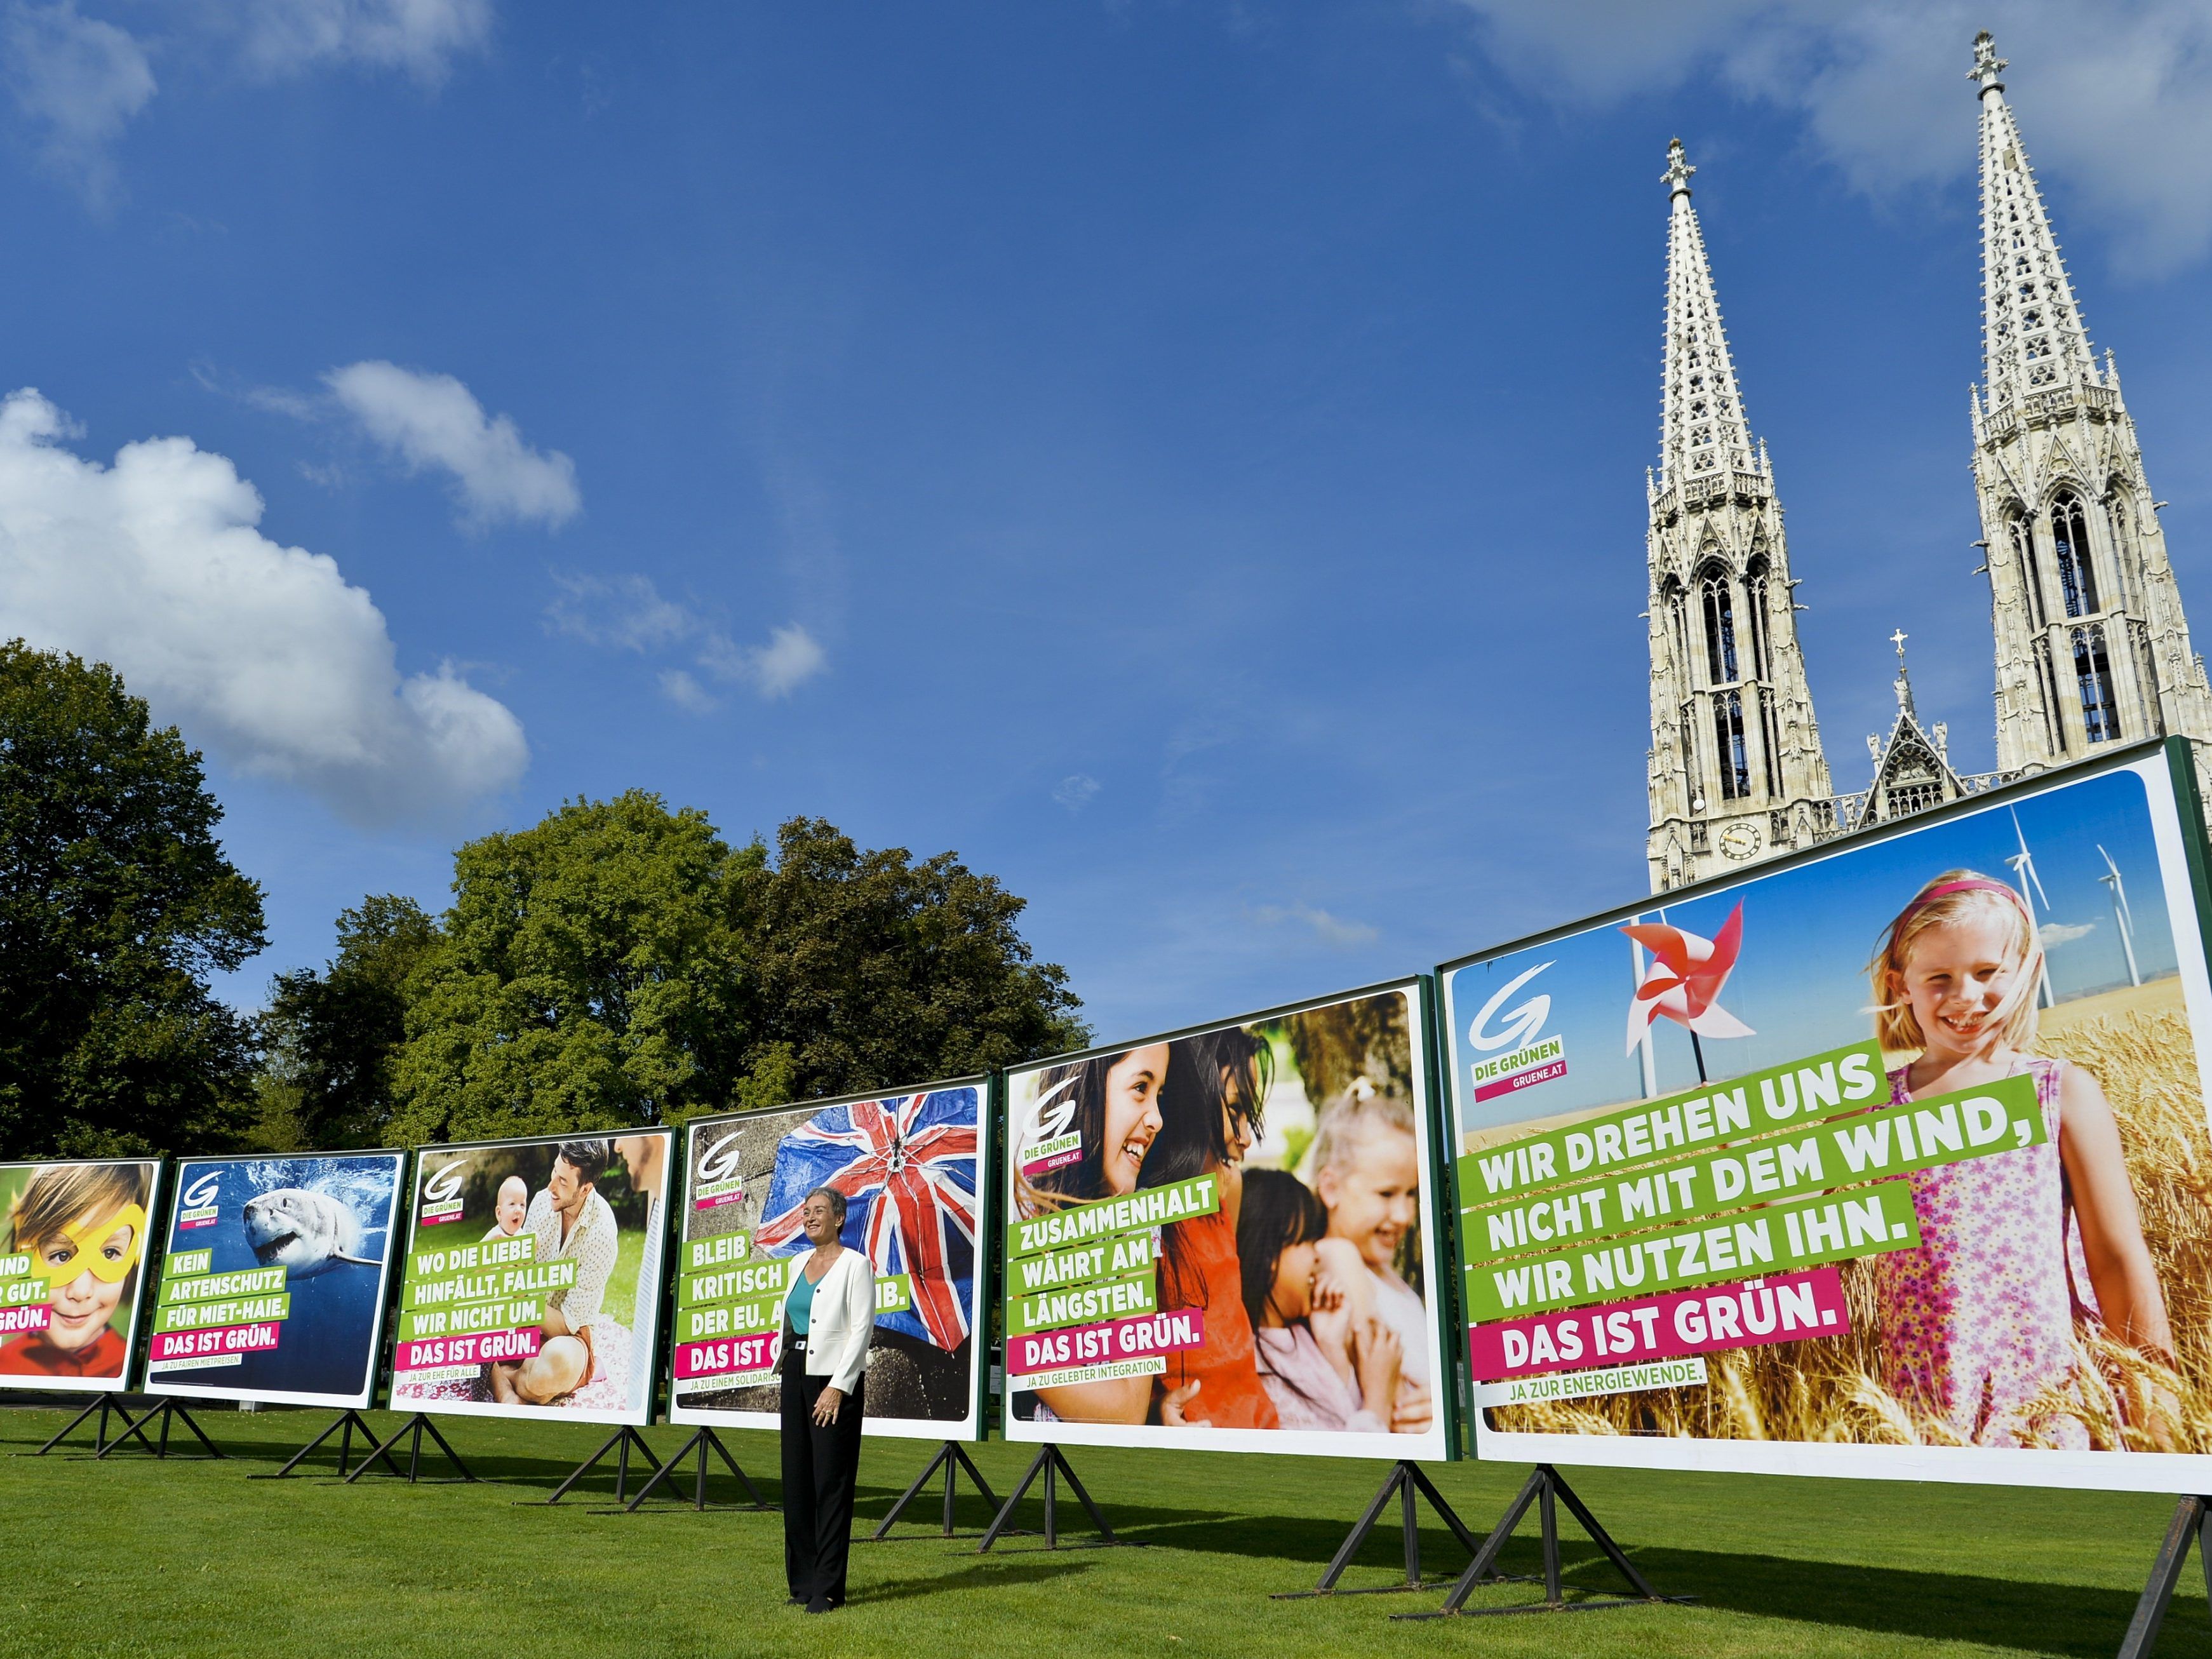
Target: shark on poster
[1892,1162]
[910,1166]
[272,1285]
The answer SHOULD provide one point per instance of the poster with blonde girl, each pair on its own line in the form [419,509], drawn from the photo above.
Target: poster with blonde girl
[1891,1158]
[1225,1238]
[73,1251]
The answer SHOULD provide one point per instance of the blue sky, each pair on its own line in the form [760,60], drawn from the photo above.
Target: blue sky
[1186,456]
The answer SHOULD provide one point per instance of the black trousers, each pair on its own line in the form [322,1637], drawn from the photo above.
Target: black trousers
[820,1466]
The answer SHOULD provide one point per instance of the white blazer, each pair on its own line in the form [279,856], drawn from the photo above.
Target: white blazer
[842,1322]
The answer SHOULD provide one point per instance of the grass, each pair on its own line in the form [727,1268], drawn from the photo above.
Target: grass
[130,1556]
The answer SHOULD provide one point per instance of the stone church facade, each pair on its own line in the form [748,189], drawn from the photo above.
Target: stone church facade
[2091,645]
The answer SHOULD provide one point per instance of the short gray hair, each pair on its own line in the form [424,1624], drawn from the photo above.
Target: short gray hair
[830,1196]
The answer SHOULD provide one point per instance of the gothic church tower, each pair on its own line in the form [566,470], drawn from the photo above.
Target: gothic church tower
[2091,646]
[1736,769]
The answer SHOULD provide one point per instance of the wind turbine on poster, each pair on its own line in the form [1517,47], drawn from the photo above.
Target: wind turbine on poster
[2022,865]
[2121,914]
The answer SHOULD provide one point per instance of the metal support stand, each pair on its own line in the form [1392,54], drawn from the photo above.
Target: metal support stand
[170,1413]
[700,1440]
[2187,1527]
[1051,1462]
[1543,1488]
[105,1406]
[952,1457]
[348,1420]
[619,1443]
[1405,1480]
[417,1423]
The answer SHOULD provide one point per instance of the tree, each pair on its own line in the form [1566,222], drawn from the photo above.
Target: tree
[867,971]
[116,904]
[584,979]
[620,964]
[331,1039]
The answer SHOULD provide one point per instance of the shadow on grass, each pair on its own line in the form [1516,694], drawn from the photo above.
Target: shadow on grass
[981,1575]
[1994,1611]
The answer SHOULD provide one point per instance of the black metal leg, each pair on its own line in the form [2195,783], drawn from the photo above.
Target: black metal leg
[619,1443]
[951,1458]
[411,1431]
[1098,1520]
[1406,1483]
[943,1459]
[1545,1489]
[1006,1514]
[132,1428]
[2186,1527]
[343,1426]
[100,1432]
[975,1474]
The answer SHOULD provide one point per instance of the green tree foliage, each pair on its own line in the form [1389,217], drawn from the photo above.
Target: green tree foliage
[115,904]
[330,1038]
[868,970]
[585,978]
[620,964]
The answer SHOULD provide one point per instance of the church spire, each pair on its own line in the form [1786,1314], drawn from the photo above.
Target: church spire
[2032,331]
[2091,644]
[1736,769]
[1702,430]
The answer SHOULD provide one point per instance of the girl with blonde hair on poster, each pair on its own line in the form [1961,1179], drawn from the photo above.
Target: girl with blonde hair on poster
[2021,1249]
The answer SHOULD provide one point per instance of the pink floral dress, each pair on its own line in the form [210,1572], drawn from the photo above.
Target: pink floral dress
[1980,1319]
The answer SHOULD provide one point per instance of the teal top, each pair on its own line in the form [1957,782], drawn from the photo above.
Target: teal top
[799,1304]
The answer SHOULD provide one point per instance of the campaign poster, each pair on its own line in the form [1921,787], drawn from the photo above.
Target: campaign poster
[532,1280]
[1891,1161]
[272,1283]
[72,1270]
[910,1165]
[1226,1238]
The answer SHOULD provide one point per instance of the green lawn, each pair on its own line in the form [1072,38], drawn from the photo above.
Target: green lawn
[132,1557]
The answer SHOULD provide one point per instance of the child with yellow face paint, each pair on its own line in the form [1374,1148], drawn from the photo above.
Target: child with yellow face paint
[83,1226]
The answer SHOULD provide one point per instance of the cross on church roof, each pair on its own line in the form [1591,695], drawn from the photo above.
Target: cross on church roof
[1987,64]
[1677,176]
[1898,639]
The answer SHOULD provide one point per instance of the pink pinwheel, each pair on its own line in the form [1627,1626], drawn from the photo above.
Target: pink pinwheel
[1685,979]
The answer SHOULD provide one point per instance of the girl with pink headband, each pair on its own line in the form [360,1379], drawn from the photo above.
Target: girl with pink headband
[2021,1250]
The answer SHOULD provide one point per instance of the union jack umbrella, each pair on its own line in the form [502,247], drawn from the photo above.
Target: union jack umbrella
[907,1167]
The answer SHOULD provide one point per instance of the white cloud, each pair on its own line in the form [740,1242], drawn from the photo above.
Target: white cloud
[433,421]
[420,37]
[2116,100]
[788,660]
[630,614]
[263,654]
[78,82]
[682,688]
[1075,792]
[624,611]
[2055,934]
[1332,931]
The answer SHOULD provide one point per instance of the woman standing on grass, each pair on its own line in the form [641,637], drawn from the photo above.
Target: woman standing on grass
[828,1318]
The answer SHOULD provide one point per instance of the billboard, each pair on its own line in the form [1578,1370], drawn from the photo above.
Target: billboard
[1226,1238]
[72,1271]
[911,1166]
[532,1281]
[272,1283]
[1892,1160]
